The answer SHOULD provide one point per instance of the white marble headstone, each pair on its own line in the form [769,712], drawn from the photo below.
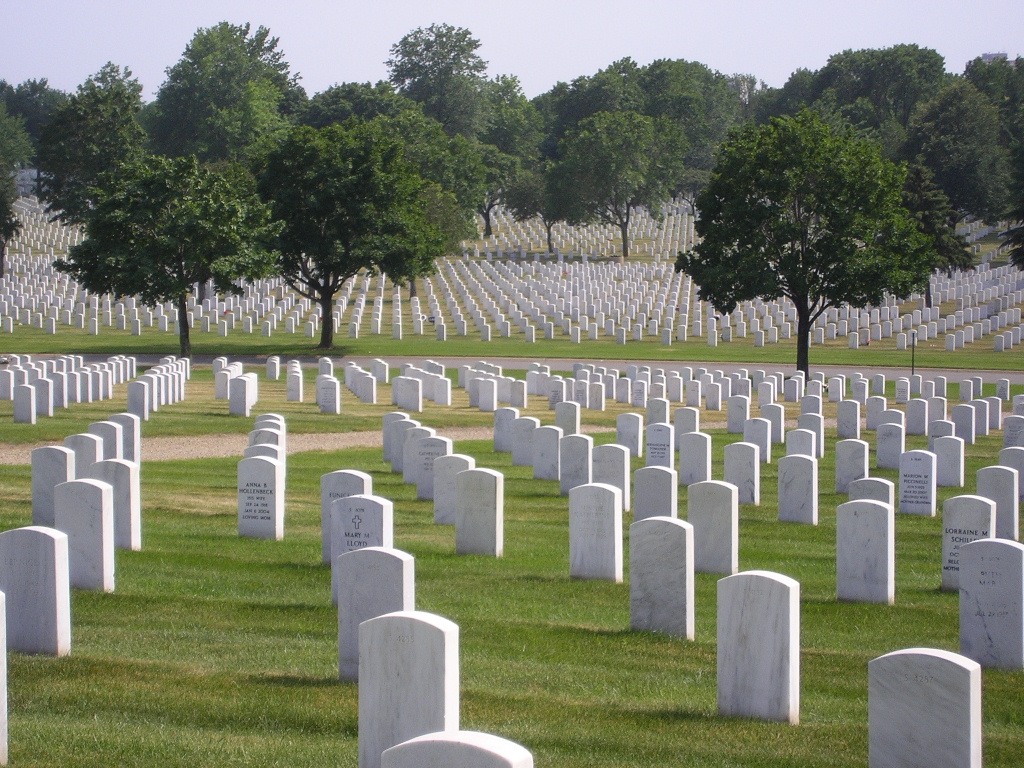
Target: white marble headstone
[408,680]
[759,646]
[661,576]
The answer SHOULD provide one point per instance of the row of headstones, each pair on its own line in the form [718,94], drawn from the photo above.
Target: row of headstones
[373,580]
[89,488]
[990,285]
[865,525]
[798,476]
[535,311]
[163,384]
[39,387]
[231,383]
[464,495]
[923,701]
[671,234]
[85,504]
[758,637]
[836,323]
[71,381]
[262,479]
[560,453]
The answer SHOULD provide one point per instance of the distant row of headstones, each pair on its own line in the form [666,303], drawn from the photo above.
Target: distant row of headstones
[38,388]
[540,299]
[528,239]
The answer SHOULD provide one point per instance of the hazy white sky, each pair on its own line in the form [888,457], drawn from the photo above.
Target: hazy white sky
[540,42]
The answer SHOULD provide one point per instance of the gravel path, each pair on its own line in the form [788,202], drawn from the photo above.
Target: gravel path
[222,446]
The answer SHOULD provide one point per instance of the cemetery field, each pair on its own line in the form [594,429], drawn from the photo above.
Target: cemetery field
[930,354]
[217,650]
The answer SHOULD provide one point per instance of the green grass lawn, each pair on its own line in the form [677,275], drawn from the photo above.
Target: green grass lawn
[216,650]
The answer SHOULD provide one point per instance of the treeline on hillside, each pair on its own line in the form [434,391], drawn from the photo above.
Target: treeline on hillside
[440,141]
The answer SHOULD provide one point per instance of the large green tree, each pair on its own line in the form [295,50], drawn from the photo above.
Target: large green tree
[87,139]
[439,67]
[34,101]
[230,87]
[162,225]
[510,142]
[540,193]
[15,150]
[348,199]
[956,134]
[936,220]
[616,88]
[616,163]
[1002,81]
[795,209]
[704,103]
[353,101]
[1015,237]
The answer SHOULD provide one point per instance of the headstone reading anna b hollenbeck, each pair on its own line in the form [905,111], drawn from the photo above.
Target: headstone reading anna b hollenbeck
[261,498]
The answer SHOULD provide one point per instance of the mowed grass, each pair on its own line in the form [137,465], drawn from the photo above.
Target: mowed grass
[216,650]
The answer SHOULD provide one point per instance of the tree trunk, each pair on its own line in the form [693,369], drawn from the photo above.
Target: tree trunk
[551,246]
[412,288]
[326,320]
[803,335]
[3,257]
[184,340]
[928,293]
[624,230]
[201,297]
[487,220]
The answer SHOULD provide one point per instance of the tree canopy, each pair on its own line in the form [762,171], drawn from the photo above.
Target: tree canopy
[795,209]
[87,140]
[936,220]
[15,150]
[34,101]
[956,134]
[618,162]
[354,101]
[230,87]
[162,225]
[348,199]
[439,68]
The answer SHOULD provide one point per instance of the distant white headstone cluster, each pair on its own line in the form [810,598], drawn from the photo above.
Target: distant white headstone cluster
[39,387]
[501,292]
